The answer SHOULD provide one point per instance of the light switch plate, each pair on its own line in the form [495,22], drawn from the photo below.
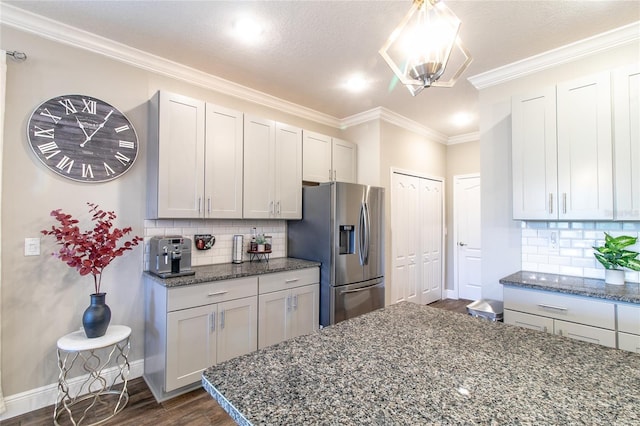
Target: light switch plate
[32,246]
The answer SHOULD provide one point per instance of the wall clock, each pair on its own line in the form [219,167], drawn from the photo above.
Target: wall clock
[82,138]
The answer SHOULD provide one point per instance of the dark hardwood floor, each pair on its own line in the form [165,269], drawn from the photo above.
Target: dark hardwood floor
[195,408]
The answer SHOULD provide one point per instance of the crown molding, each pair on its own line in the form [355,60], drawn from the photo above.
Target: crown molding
[468,137]
[381,113]
[570,52]
[59,32]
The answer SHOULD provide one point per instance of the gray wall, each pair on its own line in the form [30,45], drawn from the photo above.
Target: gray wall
[43,299]
[501,236]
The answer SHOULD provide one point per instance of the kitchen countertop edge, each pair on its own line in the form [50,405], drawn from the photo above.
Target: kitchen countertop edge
[580,286]
[227,271]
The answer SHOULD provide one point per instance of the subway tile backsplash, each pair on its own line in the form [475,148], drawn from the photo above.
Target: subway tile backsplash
[223,230]
[566,247]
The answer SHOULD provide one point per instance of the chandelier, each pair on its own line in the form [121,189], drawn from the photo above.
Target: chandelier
[419,49]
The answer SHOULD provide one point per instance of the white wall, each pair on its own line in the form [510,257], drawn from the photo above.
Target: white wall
[501,236]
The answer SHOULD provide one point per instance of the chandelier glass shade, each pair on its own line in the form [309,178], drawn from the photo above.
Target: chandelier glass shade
[419,49]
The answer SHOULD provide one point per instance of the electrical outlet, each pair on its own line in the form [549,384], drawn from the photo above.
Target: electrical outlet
[32,246]
[553,241]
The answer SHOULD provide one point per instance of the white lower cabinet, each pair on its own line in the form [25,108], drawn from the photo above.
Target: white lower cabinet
[629,327]
[190,328]
[288,305]
[580,318]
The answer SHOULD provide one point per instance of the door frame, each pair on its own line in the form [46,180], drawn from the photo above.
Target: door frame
[443,243]
[455,292]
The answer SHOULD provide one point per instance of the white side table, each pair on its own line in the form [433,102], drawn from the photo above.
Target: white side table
[103,401]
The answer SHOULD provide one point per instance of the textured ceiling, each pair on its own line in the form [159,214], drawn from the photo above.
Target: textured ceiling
[311,47]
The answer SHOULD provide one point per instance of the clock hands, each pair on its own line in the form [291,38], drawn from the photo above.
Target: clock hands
[95,131]
[82,127]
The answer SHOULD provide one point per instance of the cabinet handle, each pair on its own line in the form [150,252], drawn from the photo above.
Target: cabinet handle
[271,209]
[550,203]
[330,174]
[295,302]
[564,203]
[544,328]
[278,208]
[212,322]
[222,320]
[199,204]
[288,303]
[335,175]
[292,280]
[209,205]
[557,308]
[218,293]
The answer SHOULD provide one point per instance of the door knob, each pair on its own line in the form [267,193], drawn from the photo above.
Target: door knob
[461,244]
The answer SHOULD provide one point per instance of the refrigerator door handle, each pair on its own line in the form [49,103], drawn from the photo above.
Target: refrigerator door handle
[361,235]
[367,234]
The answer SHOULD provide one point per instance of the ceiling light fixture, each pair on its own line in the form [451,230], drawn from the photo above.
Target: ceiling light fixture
[419,49]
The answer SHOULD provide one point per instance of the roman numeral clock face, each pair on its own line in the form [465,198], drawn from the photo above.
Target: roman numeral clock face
[82,138]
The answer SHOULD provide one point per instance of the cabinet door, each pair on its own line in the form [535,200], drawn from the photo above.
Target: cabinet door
[344,158]
[585,333]
[237,328]
[316,157]
[304,310]
[273,318]
[533,322]
[181,141]
[259,140]
[534,155]
[223,163]
[288,172]
[585,171]
[629,342]
[191,345]
[626,106]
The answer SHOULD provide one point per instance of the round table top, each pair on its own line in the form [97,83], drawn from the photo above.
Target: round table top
[78,341]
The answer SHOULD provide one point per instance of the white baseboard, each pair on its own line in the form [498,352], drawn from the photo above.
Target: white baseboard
[451,294]
[44,396]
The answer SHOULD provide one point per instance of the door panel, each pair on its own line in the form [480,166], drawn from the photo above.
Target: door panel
[431,203]
[468,244]
[404,206]
[374,266]
[348,203]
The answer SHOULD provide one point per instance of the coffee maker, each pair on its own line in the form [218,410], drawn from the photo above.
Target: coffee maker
[170,256]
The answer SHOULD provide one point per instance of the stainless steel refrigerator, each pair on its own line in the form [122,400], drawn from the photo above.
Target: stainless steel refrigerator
[342,227]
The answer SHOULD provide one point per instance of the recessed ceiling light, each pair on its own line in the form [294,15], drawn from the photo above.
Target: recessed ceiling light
[462,119]
[248,30]
[356,84]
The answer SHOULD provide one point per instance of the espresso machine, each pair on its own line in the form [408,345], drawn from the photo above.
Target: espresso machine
[170,256]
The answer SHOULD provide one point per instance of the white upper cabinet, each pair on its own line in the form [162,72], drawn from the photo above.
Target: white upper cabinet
[272,170]
[328,159]
[626,106]
[223,164]
[585,150]
[534,155]
[196,167]
[344,156]
[562,152]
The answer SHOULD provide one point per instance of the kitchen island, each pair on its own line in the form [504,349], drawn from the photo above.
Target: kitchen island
[413,364]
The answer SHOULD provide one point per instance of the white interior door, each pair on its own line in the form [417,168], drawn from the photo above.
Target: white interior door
[417,238]
[404,213]
[468,250]
[431,204]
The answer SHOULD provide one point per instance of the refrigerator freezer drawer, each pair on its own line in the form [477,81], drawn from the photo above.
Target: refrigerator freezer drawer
[356,299]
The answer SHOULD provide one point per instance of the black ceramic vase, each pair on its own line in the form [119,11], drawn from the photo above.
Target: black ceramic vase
[97,316]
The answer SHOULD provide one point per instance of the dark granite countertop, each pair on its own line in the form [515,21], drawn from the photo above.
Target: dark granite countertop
[630,292]
[226,271]
[411,364]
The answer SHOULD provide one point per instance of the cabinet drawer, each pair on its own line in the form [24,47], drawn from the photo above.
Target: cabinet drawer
[629,319]
[290,279]
[212,292]
[585,333]
[533,322]
[583,310]
[629,342]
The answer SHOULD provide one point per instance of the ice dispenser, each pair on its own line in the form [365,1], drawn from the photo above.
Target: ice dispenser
[347,239]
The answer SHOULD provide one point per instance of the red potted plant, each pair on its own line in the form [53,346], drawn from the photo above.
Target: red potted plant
[89,252]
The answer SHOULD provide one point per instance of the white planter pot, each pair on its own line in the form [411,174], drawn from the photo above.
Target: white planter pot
[614,276]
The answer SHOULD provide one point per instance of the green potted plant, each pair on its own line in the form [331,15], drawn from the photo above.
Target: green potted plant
[614,256]
[89,252]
